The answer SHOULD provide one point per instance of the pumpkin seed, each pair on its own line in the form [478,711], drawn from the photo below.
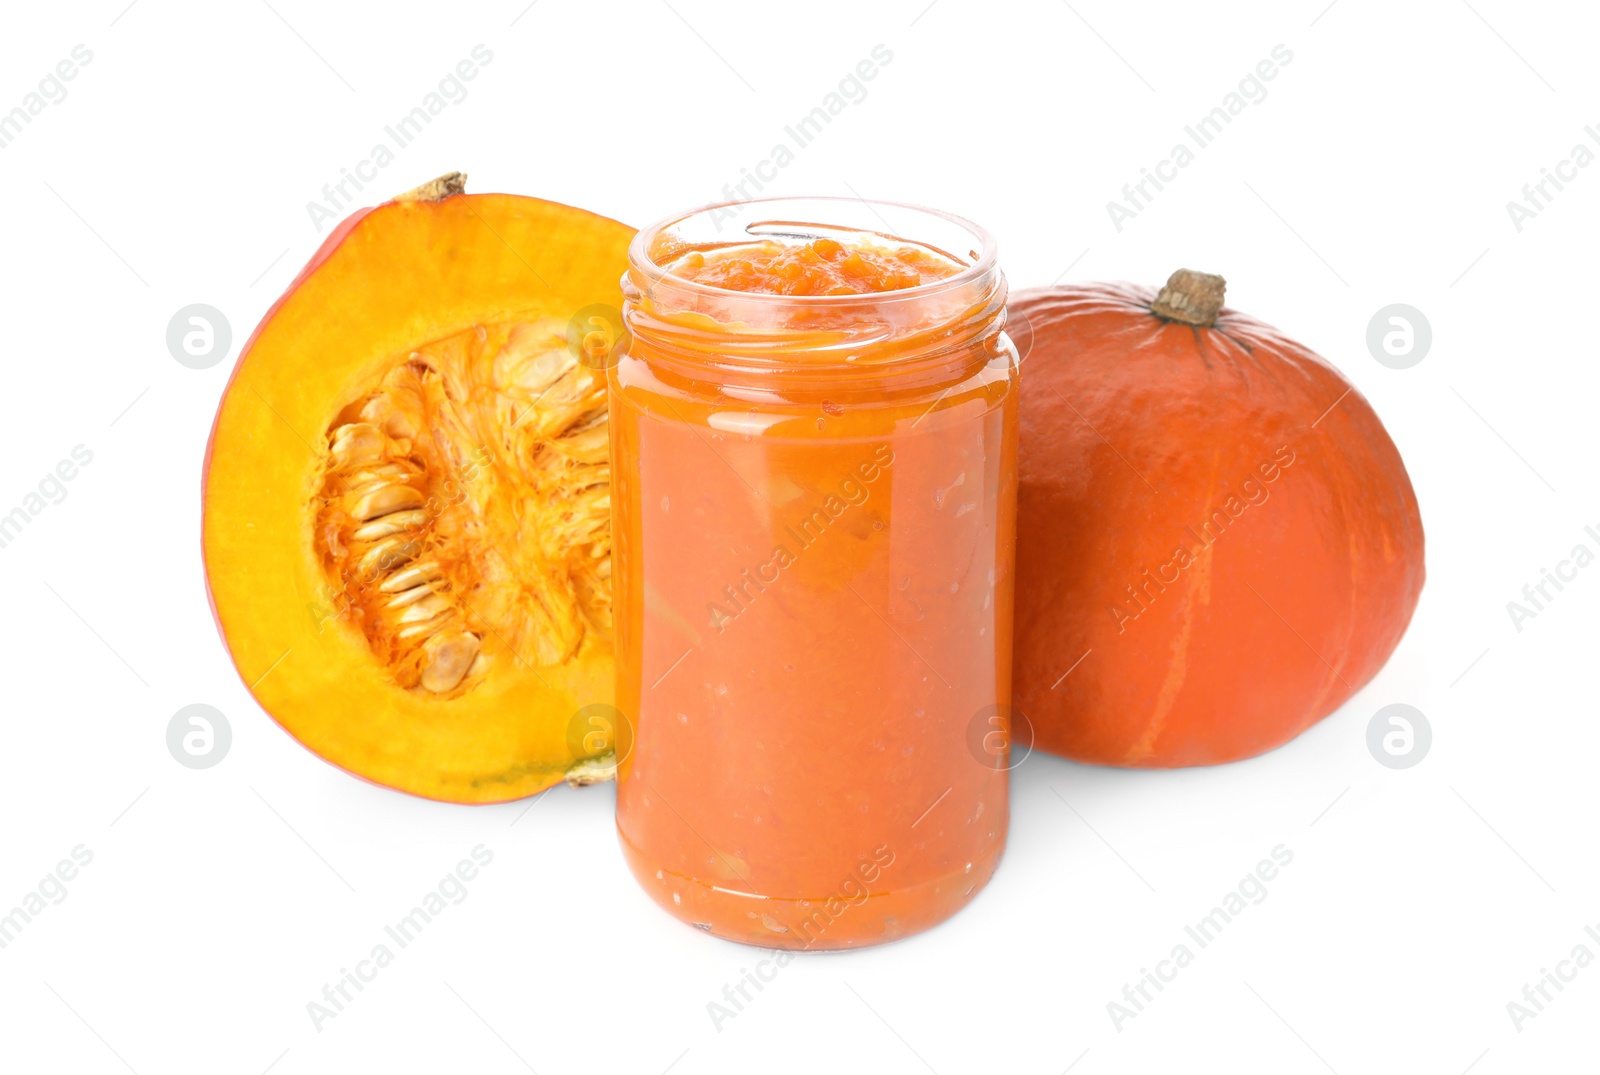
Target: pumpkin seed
[388,555]
[356,444]
[372,502]
[413,632]
[409,597]
[446,659]
[410,576]
[395,523]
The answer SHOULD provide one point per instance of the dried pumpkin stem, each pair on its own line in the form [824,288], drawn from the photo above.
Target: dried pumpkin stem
[1195,298]
[436,190]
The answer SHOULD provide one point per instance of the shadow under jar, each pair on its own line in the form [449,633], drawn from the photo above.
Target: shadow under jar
[814,501]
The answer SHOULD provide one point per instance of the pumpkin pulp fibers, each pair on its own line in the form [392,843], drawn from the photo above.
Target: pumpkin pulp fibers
[465,515]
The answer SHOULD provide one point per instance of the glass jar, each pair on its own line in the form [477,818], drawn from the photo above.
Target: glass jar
[814,525]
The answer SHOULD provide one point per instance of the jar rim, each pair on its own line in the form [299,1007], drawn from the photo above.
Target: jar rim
[977,263]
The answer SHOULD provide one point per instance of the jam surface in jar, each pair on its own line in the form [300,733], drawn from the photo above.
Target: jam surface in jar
[820,267]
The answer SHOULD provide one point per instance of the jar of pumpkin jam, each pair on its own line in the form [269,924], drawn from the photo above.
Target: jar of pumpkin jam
[814,436]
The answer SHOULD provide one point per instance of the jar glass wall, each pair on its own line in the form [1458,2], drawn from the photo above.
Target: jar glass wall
[814,514]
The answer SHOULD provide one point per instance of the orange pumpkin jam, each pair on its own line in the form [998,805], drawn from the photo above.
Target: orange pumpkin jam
[820,267]
[813,538]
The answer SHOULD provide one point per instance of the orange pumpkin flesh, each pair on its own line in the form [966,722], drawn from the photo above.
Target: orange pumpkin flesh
[406,497]
[1217,539]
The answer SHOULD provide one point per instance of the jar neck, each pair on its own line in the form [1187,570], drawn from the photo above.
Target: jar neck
[880,344]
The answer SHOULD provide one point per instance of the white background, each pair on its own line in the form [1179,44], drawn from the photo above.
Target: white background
[1377,170]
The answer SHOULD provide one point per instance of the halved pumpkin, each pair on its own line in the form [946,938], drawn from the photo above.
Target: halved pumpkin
[406,520]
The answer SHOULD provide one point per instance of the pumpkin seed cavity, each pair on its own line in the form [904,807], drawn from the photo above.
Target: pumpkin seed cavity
[464,514]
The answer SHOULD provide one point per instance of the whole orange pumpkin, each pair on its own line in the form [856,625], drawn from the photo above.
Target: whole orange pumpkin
[1217,542]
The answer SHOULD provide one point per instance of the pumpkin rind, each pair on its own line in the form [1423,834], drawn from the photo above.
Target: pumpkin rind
[1136,431]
